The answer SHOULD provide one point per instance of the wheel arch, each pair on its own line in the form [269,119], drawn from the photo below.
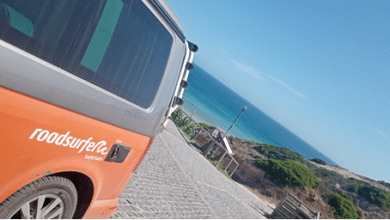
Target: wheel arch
[85,191]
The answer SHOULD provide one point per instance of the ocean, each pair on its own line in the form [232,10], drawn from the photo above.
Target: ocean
[210,101]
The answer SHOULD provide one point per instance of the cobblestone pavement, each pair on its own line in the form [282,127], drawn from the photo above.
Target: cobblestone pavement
[175,181]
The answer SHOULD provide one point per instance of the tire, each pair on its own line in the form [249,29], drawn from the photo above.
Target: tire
[47,197]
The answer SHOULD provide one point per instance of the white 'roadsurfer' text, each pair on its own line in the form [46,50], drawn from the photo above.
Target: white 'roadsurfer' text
[70,141]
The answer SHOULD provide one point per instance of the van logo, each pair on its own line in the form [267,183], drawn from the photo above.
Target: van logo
[68,141]
[134,116]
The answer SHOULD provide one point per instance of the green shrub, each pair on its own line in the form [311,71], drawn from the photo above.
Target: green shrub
[376,196]
[353,185]
[384,183]
[279,153]
[250,142]
[232,139]
[208,128]
[190,129]
[178,117]
[342,207]
[287,173]
[330,178]
[324,173]
[352,188]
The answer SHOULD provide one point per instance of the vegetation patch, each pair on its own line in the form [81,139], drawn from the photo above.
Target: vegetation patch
[325,173]
[190,130]
[318,160]
[384,183]
[288,168]
[342,207]
[287,173]
[376,196]
[232,139]
[179,118]
[250,142]
[279,153]
[184,122]
[207,127]
[221,168]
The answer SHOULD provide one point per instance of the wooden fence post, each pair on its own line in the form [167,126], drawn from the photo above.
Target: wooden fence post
[221,158]
[234,170]
[218,146]
[229,164]
[211,147]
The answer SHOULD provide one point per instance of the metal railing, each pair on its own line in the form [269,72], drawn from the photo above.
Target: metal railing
[192,129]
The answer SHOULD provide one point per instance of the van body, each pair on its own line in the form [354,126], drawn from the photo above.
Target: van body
[85,86]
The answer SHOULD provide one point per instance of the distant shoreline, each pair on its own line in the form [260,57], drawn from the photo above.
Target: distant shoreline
[194,114]
[341,170]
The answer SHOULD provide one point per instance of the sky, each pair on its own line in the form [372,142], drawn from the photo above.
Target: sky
[319,68]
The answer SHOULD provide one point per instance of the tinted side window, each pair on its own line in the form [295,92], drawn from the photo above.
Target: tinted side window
[45,28]
[123,48]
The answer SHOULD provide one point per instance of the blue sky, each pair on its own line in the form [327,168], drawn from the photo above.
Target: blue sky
[320,68]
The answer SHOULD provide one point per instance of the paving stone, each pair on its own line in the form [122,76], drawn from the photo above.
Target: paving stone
[175,181]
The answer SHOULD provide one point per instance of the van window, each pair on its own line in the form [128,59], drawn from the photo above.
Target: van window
[44,28]
[125,52]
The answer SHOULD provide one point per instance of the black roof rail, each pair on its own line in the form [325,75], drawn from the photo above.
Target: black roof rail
[192,46]
[189,66]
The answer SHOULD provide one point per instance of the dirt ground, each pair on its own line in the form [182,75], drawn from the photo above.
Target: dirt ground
[254,179]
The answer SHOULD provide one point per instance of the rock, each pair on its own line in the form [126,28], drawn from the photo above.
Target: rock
[318,160]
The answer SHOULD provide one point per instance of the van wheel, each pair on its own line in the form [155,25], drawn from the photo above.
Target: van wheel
[47,197]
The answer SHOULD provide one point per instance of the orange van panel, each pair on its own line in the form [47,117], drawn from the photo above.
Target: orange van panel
[102,209]
[38,138]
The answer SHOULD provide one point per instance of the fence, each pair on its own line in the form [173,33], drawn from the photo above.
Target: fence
[210,147]
[291,207]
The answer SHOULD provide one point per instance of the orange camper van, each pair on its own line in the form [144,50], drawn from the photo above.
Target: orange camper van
[85,85]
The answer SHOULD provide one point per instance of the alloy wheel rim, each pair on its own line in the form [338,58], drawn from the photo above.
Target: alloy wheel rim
[47,206]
